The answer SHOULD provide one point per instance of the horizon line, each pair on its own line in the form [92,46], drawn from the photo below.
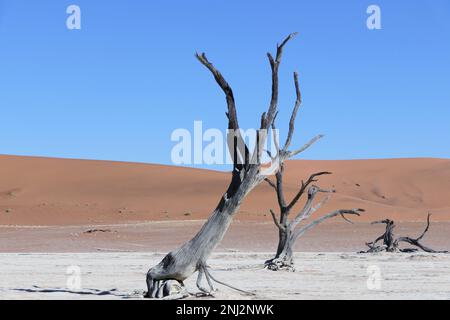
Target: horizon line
[205,166]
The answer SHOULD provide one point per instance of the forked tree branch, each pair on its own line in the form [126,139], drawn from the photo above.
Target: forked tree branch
[312,193]
[274,64]
[270,183]
[275,220]
[303,187]
[302,215]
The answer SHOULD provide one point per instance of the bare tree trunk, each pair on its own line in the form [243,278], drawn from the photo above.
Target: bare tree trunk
[284,253]
[283,241]
[166,278]
[285,257]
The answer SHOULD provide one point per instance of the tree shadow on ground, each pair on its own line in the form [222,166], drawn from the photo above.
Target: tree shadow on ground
[87,291]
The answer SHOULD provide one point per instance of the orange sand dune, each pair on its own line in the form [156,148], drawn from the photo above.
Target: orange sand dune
[45,191]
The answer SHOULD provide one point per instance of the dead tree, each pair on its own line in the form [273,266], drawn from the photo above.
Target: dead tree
[166,278]
[289,230]
[391,244]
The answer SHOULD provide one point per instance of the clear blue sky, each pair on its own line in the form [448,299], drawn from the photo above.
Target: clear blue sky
[118,87]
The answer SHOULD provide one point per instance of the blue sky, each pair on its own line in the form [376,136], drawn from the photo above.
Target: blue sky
[118,87]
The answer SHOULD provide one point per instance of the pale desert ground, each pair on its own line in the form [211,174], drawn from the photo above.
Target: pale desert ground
[114,220]
[318,276]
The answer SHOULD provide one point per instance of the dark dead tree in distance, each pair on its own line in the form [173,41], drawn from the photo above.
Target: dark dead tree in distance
[289,230]
[392,244]
[166,278]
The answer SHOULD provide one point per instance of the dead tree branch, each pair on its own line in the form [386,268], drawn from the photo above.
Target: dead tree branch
[391,244]
[305,185]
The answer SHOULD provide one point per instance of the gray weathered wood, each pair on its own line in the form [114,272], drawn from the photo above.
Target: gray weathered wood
[391,244]
[181,263]
[289,230]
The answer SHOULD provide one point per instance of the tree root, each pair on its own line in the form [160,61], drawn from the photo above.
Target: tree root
[173,289]
[208,274]
[374,248]
[278,264]
[165,288]
[202,271]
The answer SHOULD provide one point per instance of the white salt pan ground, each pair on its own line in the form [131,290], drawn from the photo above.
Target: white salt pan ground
[319,276]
